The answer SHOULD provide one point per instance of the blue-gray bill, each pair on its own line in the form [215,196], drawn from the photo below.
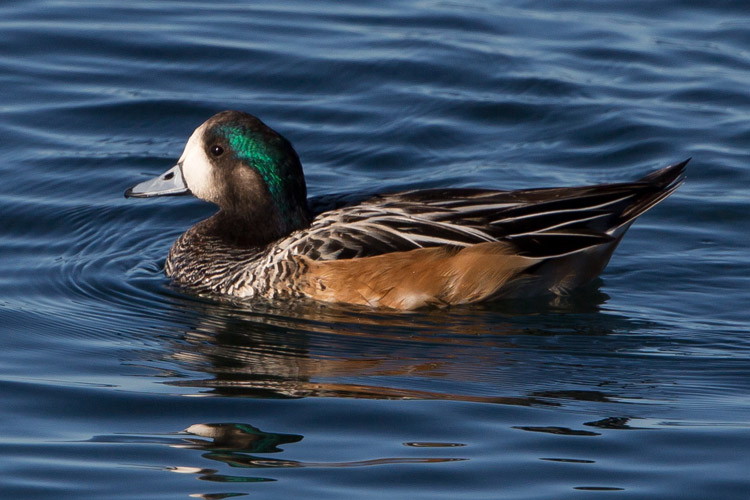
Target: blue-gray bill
[170,183]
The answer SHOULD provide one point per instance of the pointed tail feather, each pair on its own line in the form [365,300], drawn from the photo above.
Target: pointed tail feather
[662,183]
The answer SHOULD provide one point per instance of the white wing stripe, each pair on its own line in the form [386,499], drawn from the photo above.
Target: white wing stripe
[561,211]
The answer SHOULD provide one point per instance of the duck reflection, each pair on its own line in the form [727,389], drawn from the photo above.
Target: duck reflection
[500,354]
[232,437]
[238,445]
[308,349]
[232,442]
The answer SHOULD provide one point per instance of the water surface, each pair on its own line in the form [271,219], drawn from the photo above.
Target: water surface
[118,385]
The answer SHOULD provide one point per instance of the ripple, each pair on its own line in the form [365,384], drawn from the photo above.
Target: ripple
[546,398]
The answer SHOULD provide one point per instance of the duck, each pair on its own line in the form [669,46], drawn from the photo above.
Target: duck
[404,250]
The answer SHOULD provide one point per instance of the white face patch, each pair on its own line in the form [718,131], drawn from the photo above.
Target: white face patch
[197,169]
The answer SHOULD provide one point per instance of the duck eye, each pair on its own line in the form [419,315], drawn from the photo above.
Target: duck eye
[217,150]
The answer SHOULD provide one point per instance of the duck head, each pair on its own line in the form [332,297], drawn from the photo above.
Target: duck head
[251,172]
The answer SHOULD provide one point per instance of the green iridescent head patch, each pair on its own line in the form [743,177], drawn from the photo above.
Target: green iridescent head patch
[253,150]
[270,159]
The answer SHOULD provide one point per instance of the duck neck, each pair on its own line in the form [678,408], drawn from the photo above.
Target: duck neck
[257,228]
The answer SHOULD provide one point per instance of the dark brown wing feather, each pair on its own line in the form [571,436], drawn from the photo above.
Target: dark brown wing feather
[544,222]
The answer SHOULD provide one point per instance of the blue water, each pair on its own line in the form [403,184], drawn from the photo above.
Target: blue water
[637,387]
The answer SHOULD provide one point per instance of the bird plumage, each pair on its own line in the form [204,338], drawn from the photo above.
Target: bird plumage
[402,250]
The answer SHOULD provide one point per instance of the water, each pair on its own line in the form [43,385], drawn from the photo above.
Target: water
[634,388]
